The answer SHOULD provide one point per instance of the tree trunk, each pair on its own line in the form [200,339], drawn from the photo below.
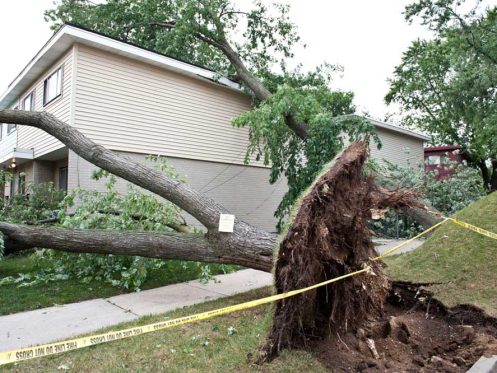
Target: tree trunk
[256,244]
[254,250]
[484,174]
[493,178]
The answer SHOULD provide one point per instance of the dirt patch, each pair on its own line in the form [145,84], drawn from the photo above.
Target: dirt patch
[329,237]
[414,334]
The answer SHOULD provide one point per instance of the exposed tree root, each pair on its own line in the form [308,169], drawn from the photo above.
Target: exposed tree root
[328,237]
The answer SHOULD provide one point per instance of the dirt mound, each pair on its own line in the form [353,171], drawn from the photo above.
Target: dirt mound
[328,237]
[414,334]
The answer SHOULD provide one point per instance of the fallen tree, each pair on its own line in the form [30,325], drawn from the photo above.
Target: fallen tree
[328,233]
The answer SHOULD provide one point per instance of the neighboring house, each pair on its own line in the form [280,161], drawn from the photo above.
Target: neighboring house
[138,102]
[441,160]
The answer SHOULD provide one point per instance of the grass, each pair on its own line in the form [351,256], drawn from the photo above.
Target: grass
[72,290]
[464,263]
[183,349]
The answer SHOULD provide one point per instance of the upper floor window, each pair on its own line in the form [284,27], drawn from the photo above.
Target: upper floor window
[52,86]
[11,127]
[28,102]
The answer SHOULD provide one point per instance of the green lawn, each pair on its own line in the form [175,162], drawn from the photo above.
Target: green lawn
[206,346]
[61,292]
[464,263]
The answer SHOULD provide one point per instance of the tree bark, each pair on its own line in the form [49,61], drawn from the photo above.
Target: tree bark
[254,251]
[426,217]
[493,178]
[484,174]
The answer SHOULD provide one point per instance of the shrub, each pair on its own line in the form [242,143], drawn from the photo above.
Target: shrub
[133,210]
[447,196]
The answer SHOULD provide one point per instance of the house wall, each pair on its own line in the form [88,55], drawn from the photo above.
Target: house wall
[34,138]
[243,190]
[398,148]
[131,106]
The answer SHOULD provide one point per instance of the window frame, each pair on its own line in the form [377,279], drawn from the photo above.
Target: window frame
[434,156]
[21,183]
[60,86]
[63,181]
[11,128]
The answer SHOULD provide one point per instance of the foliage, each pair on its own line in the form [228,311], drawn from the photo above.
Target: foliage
[310,100]
[133,210]
[447,195]
[42,293]
[447,86]
[261,38]
[40,203]
[262,35]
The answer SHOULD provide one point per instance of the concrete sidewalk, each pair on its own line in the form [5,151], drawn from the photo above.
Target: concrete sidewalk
[56,323]
[384,244]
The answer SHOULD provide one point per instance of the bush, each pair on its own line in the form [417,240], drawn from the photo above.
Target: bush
[134,210]
[41,202]
[447,196]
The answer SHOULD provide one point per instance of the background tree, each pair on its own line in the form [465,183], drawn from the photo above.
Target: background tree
[447,86]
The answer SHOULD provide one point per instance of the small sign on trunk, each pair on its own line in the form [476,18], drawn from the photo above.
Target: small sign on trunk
[226,223]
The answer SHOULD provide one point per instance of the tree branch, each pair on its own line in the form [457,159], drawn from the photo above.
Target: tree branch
[249,79]
[196,204]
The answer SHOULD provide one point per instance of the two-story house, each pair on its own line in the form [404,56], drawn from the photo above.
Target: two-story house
[139,102]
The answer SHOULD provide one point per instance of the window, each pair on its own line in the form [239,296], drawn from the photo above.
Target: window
[11,127]
[21,186]
[63,178]
[433,160]
[12,188]
[28,102]
[52,87]
[1,131]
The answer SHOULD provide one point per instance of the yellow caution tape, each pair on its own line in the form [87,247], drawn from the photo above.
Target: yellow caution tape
[388,252]
[77,343]
[474,228]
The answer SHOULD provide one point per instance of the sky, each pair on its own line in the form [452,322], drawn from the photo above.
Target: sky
[366,37]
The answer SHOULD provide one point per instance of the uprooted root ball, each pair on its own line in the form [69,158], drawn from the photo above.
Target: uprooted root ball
[328,237]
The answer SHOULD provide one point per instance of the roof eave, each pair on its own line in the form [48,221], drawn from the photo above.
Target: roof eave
[68,35]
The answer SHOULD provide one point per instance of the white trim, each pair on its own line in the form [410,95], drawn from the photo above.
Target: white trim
[18,154]
[74,77]
[393,127]
[68,35]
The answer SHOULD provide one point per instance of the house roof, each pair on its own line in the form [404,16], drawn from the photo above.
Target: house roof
[69,34]
[442,148]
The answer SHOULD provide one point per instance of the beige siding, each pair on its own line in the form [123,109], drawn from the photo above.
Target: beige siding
[398,148]
[36,139]
[131,106]
[243,190]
